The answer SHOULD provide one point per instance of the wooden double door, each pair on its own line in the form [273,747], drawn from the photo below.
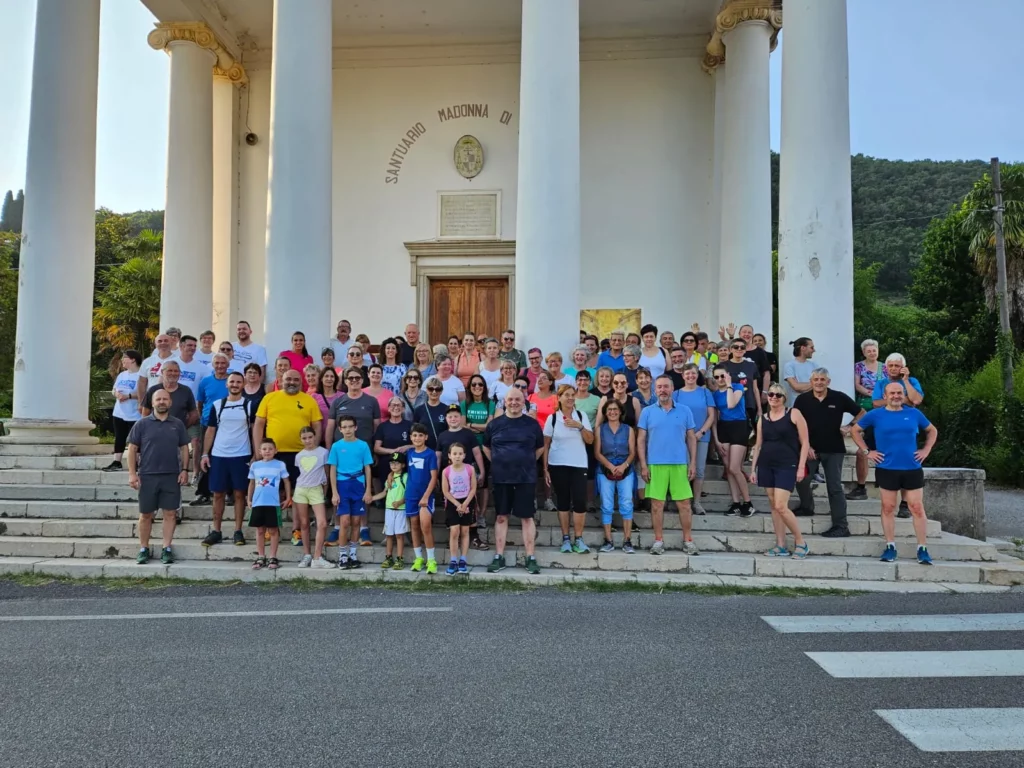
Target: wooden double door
[457,306]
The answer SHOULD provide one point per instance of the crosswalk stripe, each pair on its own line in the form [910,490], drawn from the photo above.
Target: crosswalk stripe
[975,622]
[878,664]
[959,730]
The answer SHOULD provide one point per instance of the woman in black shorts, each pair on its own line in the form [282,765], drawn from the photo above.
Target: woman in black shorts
[779,461]
[567,434]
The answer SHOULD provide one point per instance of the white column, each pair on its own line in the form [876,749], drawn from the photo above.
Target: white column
[59,230]
[815,206]
[299,255]
[745,290]
[717,262]
[224,186]
[186,292]
[548,205]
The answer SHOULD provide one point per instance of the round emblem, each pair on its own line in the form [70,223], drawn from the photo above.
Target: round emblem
[469,157]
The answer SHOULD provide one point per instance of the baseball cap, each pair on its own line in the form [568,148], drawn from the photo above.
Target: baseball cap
[454,408]
[398,458]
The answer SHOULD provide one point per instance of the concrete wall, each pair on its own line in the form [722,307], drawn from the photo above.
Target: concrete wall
[956,498]
[646,152]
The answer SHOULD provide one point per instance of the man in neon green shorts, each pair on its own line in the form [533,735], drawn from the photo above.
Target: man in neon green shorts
[665,442]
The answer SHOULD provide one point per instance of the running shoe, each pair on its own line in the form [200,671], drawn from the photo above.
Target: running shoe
[143,557]
[497,564]
[201,500]
[800,551]
[343,562]
[689,548]
[608,547]
[213,537]
[166,557]
[836,532]
[658,547]
[320,563]
[399,564]
[431,565]
[388,562]
[463,567]
[417,564]
[734,509]
[238,539]
[580,547]
[306,561]
[889,555]
[860,493]
[566,545]
[627,547]
[549,504]
[819,477]
[923,557]
[778,552]
[803,512]
[114,466]
[698,509]
[296,539]
[332,537]
[353,562]
[452,569]
[746,509]
[532,566]
[904,511]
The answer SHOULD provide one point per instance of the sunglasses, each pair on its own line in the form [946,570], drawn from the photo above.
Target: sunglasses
[476,384]
[772,395]
[509,338]
[434,389]
[353,378]
[719,378]
[522,386]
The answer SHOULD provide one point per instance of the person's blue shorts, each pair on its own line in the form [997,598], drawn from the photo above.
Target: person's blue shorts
[412,507]
[229,474]
[782,478]
[350,501]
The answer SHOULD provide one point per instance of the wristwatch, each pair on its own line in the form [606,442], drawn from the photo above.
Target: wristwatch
[863,451]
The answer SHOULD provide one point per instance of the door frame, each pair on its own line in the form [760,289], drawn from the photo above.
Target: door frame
[465,259]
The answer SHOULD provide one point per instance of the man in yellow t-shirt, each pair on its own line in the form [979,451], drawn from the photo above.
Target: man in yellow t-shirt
[280,417]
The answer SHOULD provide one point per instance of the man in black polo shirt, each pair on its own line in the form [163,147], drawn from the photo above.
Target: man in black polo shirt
[823,410]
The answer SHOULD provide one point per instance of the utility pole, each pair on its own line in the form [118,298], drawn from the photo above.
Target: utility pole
[1004,307]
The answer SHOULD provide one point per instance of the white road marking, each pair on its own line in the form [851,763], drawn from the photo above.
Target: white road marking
[948,622]
[959,730]
[921,663]
[221,614]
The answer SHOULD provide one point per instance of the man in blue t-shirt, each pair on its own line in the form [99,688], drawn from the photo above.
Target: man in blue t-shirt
[896,371]
[897,461]
[613,357]
[665,441]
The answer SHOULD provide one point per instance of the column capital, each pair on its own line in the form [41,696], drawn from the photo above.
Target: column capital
[734,13]
[201,35]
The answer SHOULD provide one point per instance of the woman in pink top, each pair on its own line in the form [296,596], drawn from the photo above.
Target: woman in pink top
[298,356]
[535,358]
[468,361]
[376,389]
[326,391]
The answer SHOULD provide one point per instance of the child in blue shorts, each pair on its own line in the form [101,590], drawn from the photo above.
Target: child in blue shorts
[419,497]
[351,483]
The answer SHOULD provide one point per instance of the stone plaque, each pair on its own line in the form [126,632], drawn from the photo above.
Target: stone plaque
[468,215]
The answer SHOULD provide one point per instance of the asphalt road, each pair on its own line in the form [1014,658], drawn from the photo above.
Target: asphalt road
[547,678]
[1004,512]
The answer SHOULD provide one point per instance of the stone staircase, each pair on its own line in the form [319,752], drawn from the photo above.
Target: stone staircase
[60,515]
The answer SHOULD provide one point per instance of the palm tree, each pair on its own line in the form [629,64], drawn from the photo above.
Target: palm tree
[979,224]
[127,313]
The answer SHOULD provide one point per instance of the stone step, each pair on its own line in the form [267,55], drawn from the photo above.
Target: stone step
[17,449]
[84,493]
[550,533]
[73,477]
[644,567]
[51,463]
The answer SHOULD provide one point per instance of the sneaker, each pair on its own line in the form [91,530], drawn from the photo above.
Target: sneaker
[889,555]
[166,557]
[800,551]
[836,532]
[200,501]
[431,566]
[860,493]
[388,562]
[296,539]
[463,567]
[332,537]
[343,562]
[819,477]
[320,563]
[238,539]
[923,557]
[627,547]
[497,564]
[143,557]
[353,561]
[213,537]
[306,561]
[698,509]
[566,545]
[532,566]
[689,548]
[904,511]
[734,509]
[803,512]
[746,509]
[658,547]
[399,564]
[607,547]
[452,569]
[580,547]
[114,466]
[549,505]
[417,564]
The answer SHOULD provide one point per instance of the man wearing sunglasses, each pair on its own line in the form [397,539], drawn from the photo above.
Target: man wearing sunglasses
[509,351]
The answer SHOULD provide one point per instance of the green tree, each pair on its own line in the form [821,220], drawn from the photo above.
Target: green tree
[127,311]
[5,212]
[9,244]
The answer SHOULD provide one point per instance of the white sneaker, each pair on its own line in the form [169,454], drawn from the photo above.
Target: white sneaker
[306,561]
[689,548]
[658,548]
[320,563]
[698,509]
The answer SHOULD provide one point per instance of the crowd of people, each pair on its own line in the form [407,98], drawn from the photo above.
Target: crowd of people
[630,422]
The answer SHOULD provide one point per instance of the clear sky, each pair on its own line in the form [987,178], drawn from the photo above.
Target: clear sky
[928,79]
